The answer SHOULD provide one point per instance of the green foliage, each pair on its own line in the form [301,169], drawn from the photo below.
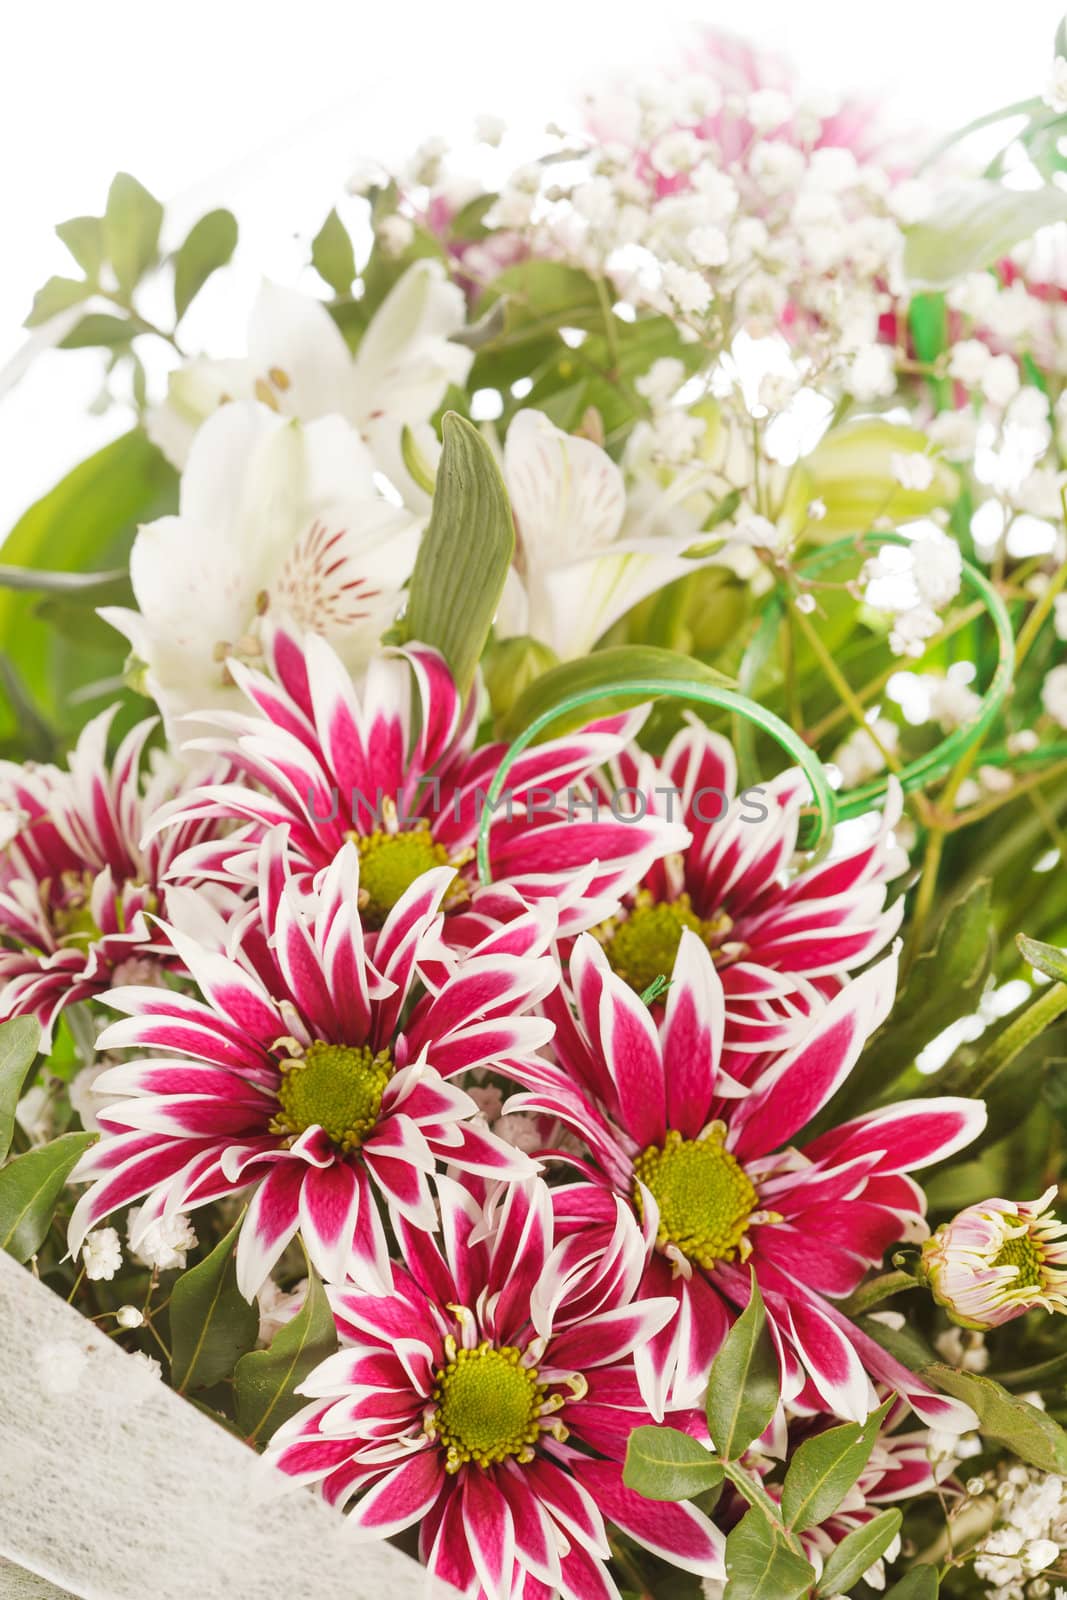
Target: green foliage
[973,226]
[211,1323]
[921,1583]
[601,670]
[132,220]
[464,555]
[858,1550]
[1044,958]
[19,1041]
[745,1382]
[207,246]
[265,1381]
[1030,1433]
[760,1564]
[332,255]
[30,1187]
[824,1469]
[666,1464]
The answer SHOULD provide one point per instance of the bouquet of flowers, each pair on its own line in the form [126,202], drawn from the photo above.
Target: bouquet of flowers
[532,835]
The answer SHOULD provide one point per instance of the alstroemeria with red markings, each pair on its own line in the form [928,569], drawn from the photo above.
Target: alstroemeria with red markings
[709,1165]
[489,1400]
[393,765]
[75,878]
[768,922]
[312,1069]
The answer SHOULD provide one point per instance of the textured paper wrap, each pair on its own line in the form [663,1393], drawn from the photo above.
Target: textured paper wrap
[113,1488]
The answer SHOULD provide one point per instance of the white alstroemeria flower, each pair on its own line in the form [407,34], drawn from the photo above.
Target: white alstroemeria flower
[574,576]
[274,516]
[299,365]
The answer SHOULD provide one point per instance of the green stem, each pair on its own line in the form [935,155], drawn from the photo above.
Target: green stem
[753,1491]
[1038,1016]
[871,1294]
[845,693]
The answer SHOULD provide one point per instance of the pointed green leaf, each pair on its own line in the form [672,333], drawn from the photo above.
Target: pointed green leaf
[603,669]
[84,238]
[1046,958]
[30,1186]
[19,1041]
[745,1382]
[465,553]
[860,1549]
[921,1583]
[56,582]
[1032,1434]
[332,254]
[58,294]
[666,1464]
[211,1322]
[973,226]
[207,246]
[265,1381]
[760,1565]
[99,328]
[824,1469]
[132,220]
[852,472]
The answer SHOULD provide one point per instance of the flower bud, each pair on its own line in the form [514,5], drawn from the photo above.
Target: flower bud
[997,1260]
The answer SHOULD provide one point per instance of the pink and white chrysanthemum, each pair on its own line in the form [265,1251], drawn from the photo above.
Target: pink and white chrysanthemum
[707,1162]
[312,1069]
[997,1260]
[75,879]
[770,925]
[393,766]
[489,1400]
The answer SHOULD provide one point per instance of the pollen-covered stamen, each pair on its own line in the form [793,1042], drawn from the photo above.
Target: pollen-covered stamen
[1026,1256]
[487,1407]
[335,1087]
[705,1198]
[389,864]
[642,943]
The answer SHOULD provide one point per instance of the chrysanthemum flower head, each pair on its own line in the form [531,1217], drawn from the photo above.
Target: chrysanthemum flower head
[489,1400]
[75,878]
[997,1260]
[707,1162]
[311,1070]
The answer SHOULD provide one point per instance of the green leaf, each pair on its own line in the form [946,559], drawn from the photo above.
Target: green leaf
[99,328]
[824,1469]
[1046,958]
[332,254]
[56,582]
[760,1565]
[858,1550]
[465,553]
[84,238]
[58,294]
[415,462]
[666,1464]
[603,669]
[977,1077]
[265,1381]
[973,226]
[19,1042]
[211,1322]
[132,220]
[744,1383]
[1032,1434]
[30,1186]
[851,472]
[207,246]
[921,1583]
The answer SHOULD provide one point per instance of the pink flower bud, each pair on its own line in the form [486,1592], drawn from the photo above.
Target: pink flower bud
[998,1259]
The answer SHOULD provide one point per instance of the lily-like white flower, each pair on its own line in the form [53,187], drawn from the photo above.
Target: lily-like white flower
[574,575]
[299,365]
[274,517]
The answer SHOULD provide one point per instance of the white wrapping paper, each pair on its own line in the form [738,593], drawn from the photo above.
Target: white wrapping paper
[113,1488]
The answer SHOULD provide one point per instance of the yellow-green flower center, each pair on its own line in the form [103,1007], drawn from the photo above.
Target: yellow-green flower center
[705,1197]
[389,864]
[336,1087]
[642,945]
[487,1407]
[1025,1254]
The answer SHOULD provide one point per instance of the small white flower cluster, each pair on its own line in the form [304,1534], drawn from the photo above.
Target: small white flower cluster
[164,1244]
[1030,1535]
[913,585]
[862,755]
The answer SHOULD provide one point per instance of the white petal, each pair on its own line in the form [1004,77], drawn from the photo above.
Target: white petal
[568,495]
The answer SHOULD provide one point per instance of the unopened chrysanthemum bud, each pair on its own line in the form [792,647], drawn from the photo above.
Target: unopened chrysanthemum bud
[997,1260]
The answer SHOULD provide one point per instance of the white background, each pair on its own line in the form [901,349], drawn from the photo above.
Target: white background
[266,107]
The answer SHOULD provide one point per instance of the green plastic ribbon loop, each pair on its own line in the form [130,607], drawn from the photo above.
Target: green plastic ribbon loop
[749,711]
[936,763]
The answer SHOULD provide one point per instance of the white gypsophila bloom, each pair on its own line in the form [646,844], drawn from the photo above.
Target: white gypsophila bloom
[859,758]
[952,703]
[84,1099]
[675,435]
[1029,409]
[150,1367]
[910,201]
[758,531]
[1031,1531]
[911,629]
[709,246]
[717,190]
[662,380]
[33,1113]
[1054,694]
[776,166]
[395,233]
[129,1317]
[676,152]
[595,201]
[870,374]
[776,390]
[689,291]
[767,109]
[1059,616]
[833,167]
[277,1306]
[955,434]
[1000,380]
[519,1130]
[489,129]
[911,469]
[1040,492]
[936,567]
[973,295]
[101,1254]
[164,1243]
[964,1348]
[1055,91]
[968,361]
